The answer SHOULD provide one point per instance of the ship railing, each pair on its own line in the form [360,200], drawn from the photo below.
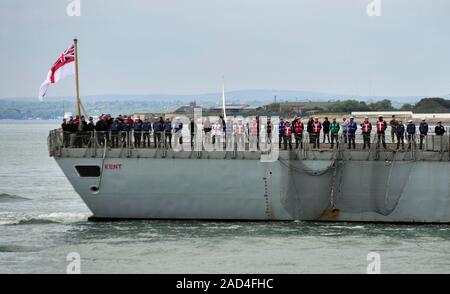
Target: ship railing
[129,140]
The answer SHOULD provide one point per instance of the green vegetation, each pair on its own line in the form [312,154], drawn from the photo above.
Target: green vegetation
[347,106]
[55,108]
[432,105]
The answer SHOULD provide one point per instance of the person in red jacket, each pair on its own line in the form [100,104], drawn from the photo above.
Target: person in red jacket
[287,136]
[316,127]
[298,128]
[381,128]
[366,128]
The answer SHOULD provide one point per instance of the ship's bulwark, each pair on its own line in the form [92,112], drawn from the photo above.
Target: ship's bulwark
[393,189]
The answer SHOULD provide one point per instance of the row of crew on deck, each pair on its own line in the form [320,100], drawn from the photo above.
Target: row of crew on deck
[331,131]
[122,128]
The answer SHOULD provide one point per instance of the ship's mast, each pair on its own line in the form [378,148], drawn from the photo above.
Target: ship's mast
[223,100]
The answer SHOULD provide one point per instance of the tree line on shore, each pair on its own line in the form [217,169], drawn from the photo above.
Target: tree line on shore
[426,105]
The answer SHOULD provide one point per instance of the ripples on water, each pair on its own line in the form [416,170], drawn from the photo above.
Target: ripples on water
[42,220]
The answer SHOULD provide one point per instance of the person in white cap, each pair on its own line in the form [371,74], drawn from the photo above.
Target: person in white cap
[423,129]
[411,131]
[344,129]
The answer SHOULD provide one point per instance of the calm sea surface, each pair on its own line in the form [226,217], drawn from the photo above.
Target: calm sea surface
[42,220]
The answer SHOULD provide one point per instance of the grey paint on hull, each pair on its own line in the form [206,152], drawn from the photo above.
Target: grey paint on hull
[245,189]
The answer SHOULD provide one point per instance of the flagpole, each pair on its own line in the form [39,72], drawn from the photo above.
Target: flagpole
[223,99]
[75,42]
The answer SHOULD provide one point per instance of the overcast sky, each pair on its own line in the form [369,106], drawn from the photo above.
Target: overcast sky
[184,47]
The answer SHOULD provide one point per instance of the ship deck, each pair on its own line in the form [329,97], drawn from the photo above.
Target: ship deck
[435,148]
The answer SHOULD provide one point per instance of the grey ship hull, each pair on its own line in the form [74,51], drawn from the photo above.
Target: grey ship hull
[312,186]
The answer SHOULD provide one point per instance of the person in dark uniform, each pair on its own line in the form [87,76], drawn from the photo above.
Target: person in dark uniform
[257,131]
[125,128]
[178,130]
[137,129]
[366,128]
[423,129]
[73,129]
[193,131]
[411,131]
[281,127]
[65,127]
[89,132]
[168,133]
[100,128]
[158,127]
[352,127]
[269,131]
[439,130]
[400,133]
[115,133]
[81,136]
[146,130]
[326,130]
[309,129]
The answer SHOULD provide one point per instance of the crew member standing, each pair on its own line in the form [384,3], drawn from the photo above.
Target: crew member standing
[366,127]
[400,132]
[411,131]
[326,130]
[217,129]
[253,134]
[146,129]
[316,127]
[193,131]
[344,129]
[115,132]
[178,130]
[240,134]
[334,129]
[158,127]
[423,129]
[65,129]
[137,129]
[269,131]
[168,133]
[351,132]
[439,130]
[381,129]
[298,133]
[393,123]
[287,136]
[309,129]
[281,127]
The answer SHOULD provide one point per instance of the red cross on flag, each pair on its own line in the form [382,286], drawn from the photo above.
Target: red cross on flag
[63,67]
